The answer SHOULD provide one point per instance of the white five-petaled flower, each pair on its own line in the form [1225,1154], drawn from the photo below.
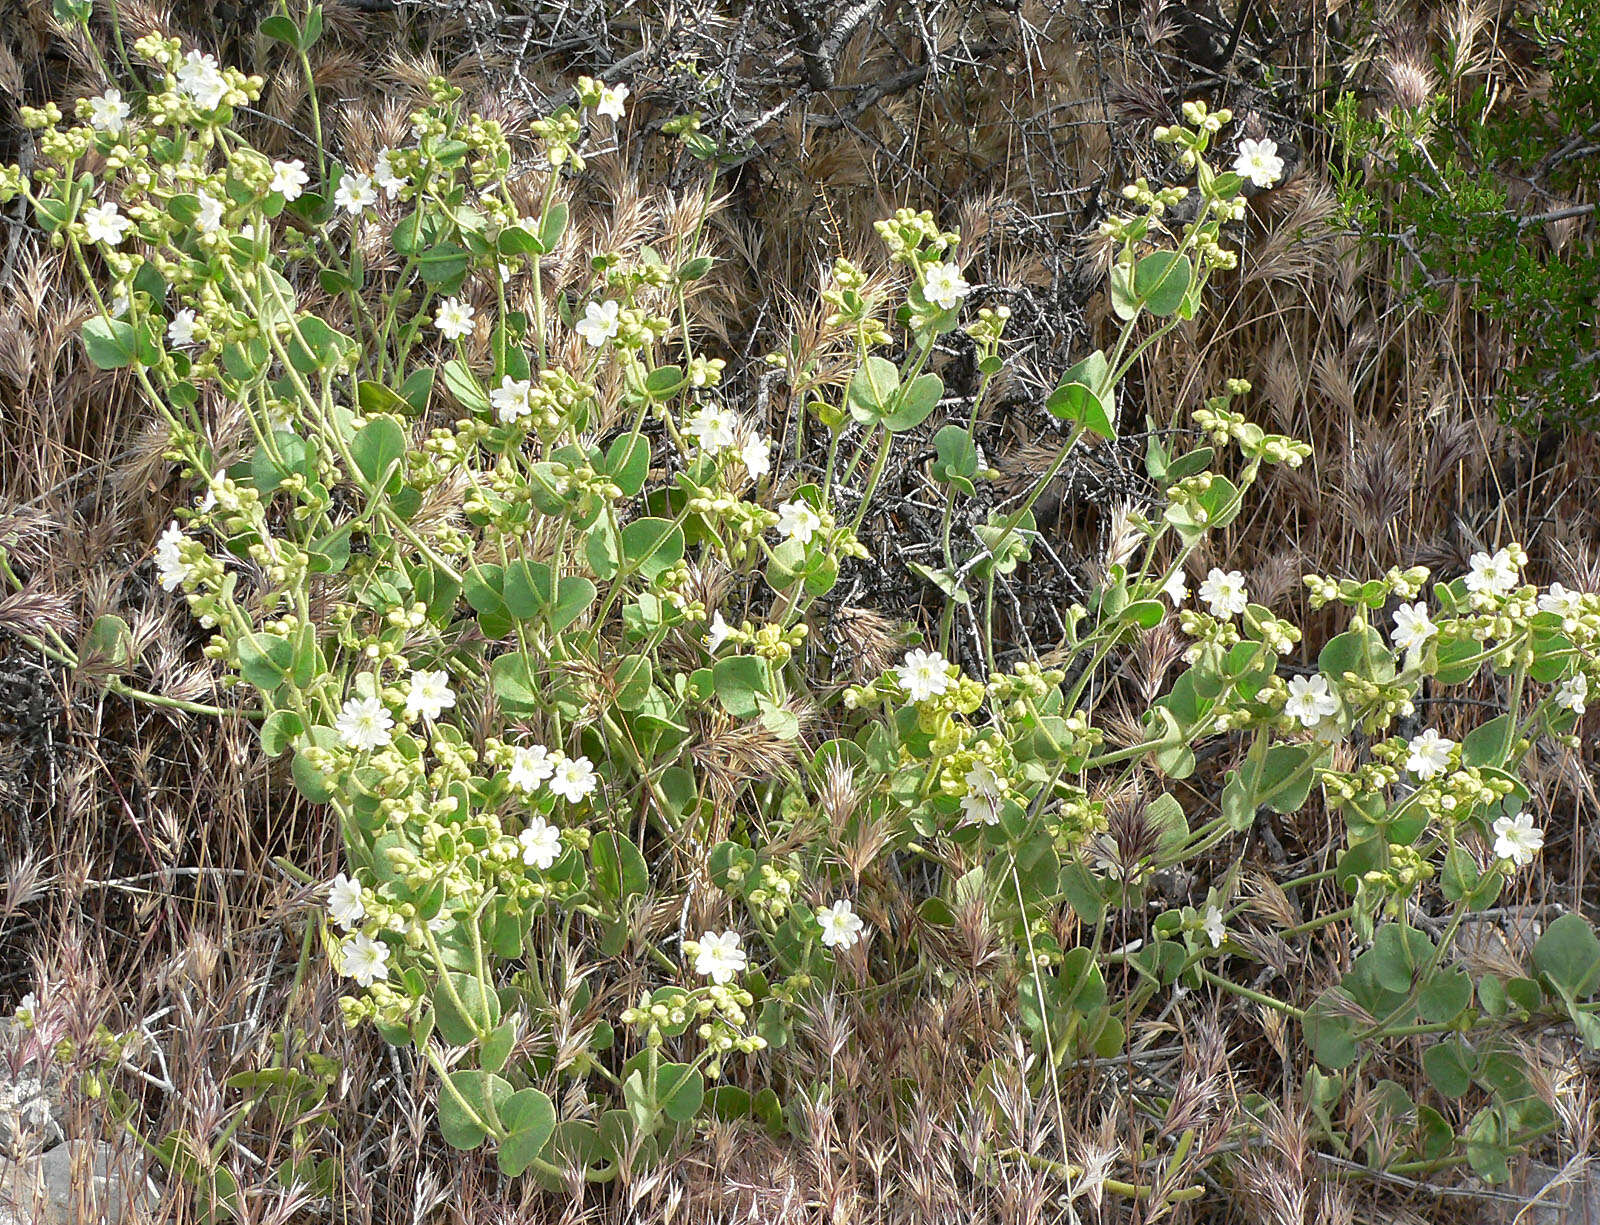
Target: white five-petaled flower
[1412,627]
[841,925]
[180,331]
[171,569]
[430,694]
[454,318]
[611,99]
[713,427]
[924,675]
[356,193]
[364,959]
[1175,589]
[512,400]
[364,724]
[209,218]
[1224,592]
[718,633]
[1573,693]
[574,778]
[719,956]
[1563,603]
[1430,755]
[201,82]
[530,766]
[756,455]
[798,521]
[1492,574]
[384,176]
[289,179]
[541,844]
[345,906]
[1259,162]
[26,1008]
[944,286]
[108,112]
[1216,930]
[1310,700]
[984,795]
[1517,839]
[103,223]
[601,322]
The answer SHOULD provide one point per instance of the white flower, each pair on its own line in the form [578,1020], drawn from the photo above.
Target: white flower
[1216,931]
[600,322]
[541,844]
[798,521]
[574,778]
[454,318]
[1430,755]
[530,766]
[984,795]
[201,82]
[1412,627]
[27,1008]
[355,193]
[1259,162]
[383,174]
[712,427]
[1517,839]
[364,724]
[841,925]
[718,633]
[172,570]
[345,906]
[1224,592]
[942,284]
[103,223]
[1494,575]
[108,112]
[209,219]
[756,455]
[289,179]
[181,330]
[1573,693]
[611,99]
[719,957]
[364,959]
[429,695]
[1563,603]
[512,400]
[1175,589]
[924,675]
[1310,700]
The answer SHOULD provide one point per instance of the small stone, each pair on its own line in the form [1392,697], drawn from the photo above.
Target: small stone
[74,1182]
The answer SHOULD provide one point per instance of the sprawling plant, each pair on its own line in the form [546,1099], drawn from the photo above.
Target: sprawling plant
[535,629]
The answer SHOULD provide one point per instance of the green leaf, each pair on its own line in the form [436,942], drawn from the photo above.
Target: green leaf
[314,346]
[620,871]
[553,226]
[477,1013]
[378,446]
[1084,397]
[110,641]
[872,390]
[529,1118]
[628,463]
[957,461]
[463,385]
[1488,743]
[111,342]
[1568,954]
[443,266]
[913,405]
[679,1090]
[467,1105]
[1445,996]
[279,730]
[265,660]
[1330,1031]
[1160,280]
[516,683]
[740,680]
[650,546]
[574,594]
[1448,1066]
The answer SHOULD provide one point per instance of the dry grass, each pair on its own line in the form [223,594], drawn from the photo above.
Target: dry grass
[142,886]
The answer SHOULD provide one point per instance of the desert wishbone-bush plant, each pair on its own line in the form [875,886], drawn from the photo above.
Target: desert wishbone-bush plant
[549,663]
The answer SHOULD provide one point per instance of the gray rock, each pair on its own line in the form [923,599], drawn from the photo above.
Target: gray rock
[30,1095]
[1549,1199]
[73,1184]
